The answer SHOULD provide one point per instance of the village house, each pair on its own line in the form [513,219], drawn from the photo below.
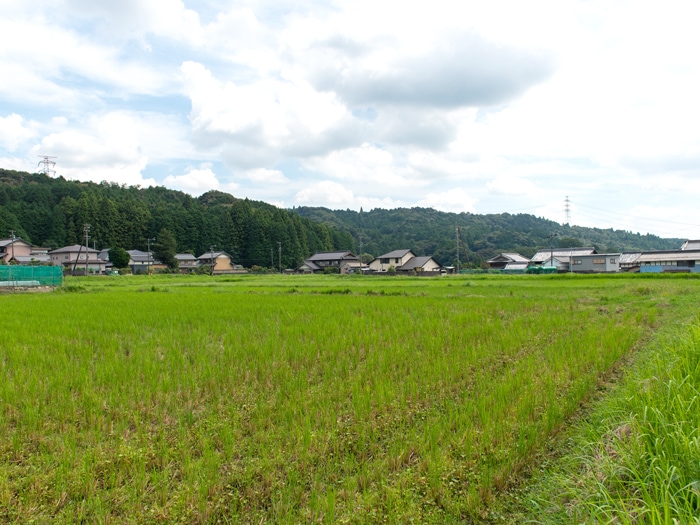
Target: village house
[143,262]
[12,248]
[78,259]
[596,263]
[392,259]
[186,262]
[508,261]
[559,257]
[219,263]
[318,262]
[348,267]
[425,265]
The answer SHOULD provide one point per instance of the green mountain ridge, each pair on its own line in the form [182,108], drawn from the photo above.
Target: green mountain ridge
[51,212]
[430,232]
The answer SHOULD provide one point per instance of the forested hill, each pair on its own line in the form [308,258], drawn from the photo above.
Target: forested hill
[51,212]
[430,232]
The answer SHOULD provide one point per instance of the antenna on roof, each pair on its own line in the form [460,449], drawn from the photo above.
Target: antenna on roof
[48,164]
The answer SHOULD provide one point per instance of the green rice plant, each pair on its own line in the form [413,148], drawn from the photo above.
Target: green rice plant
[238,401]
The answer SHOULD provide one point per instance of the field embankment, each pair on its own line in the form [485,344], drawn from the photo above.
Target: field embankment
[300,399]
[635,457]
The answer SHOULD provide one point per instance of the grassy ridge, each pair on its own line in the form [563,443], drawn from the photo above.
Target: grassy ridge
[298,399]
[636,458]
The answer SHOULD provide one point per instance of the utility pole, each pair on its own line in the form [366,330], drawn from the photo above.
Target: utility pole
[148,243]
[12,232]
[551,248]
[457,245]
[361,255]
[86,229]
[279,244]
[211,251]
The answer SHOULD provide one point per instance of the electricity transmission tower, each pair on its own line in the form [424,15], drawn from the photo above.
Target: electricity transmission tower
[47,164]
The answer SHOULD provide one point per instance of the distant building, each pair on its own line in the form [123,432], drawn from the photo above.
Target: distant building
[503,260]
[318,262]
[392,259]
[76,258]
[143,262]
[596,263]
[559,257]
[13,248]
[421,264]
[219,262]
[186,262]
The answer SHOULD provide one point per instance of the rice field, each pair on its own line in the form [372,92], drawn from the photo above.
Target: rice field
[300,399]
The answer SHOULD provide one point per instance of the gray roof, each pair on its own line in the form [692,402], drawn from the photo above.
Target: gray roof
[511,257]
[629,258]
[563,254]
[74,248]
[185,257]
[415,262]
[208,256]
[332,256]
[670,255]
[396,254]
[8,242]
[32,258]
[310,265]
[516,266]
[691,245]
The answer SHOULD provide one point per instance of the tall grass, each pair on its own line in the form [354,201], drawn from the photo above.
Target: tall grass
[348,400]
[636,459]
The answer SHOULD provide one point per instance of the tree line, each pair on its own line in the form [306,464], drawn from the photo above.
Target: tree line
[51,212]
[426,231]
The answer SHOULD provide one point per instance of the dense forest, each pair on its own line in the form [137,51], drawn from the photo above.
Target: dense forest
[51,212]
[479,237]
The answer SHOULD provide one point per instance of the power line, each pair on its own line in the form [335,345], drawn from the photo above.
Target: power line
[627,216]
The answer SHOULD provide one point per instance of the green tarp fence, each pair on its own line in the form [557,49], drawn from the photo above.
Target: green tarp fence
[31,276]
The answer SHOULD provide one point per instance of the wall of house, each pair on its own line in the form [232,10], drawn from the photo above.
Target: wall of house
[223,264]
[20,249]
[600,263]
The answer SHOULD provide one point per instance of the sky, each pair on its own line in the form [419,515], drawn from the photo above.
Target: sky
[541,107]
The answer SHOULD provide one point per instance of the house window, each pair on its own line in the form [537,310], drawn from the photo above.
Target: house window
[612,261]
[578,261]
[384,261]
[598,261]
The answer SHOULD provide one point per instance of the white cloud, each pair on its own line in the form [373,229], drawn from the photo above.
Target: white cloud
[512,186]
[195,181]
[325,191]
[107,148]
[455,200]
[377,104]
[14,130]
[266,176]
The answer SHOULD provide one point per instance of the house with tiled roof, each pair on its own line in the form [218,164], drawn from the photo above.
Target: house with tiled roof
[318,262]
[503,260]
[78,259]
[392,259]
[420,264]
[13,248]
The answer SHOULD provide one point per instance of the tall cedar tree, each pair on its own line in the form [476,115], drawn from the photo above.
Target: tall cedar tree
[165,248]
